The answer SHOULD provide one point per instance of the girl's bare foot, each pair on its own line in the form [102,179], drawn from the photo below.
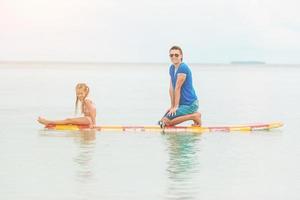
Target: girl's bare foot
[43,121]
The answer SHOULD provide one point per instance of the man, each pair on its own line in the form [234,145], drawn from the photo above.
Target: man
[184,102]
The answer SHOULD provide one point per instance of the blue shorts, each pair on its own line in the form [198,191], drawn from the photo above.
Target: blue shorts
[184,110]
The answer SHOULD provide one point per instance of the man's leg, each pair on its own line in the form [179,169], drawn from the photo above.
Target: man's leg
[196,117]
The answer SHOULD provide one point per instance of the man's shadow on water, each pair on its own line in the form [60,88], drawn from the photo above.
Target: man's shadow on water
[183,165]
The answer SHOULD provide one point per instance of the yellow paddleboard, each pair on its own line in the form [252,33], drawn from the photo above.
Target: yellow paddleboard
[192,129]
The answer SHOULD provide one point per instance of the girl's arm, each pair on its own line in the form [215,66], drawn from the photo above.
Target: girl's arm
[92,110]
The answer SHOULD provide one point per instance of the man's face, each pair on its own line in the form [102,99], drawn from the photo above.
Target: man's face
[175,56]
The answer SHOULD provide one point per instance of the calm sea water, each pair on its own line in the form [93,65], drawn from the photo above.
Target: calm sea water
[37,164]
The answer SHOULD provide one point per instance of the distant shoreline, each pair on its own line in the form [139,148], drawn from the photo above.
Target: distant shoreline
[134,63]
[248,62]
[100,63]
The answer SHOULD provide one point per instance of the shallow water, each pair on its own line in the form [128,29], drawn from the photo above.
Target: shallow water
[38,164]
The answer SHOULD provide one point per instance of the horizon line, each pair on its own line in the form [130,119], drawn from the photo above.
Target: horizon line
[150,63]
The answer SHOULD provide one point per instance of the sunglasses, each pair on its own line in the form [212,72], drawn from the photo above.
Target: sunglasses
[176,55]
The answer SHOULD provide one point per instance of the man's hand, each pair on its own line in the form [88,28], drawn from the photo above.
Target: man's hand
[172,111]
[168,110]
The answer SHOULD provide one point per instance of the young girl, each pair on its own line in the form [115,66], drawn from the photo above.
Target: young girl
[88,109]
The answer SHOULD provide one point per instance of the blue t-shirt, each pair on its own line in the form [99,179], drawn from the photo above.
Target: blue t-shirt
[187,94]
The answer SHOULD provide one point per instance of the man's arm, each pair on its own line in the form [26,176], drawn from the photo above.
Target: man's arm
[180,80]
[171,92]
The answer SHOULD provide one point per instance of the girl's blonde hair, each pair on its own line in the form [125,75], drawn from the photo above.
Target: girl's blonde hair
[86,89]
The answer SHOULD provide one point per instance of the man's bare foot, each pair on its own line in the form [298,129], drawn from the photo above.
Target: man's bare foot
[43,121]
[166,121]
[197,119]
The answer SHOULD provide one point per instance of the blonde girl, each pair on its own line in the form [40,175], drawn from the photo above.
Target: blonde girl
[88,110]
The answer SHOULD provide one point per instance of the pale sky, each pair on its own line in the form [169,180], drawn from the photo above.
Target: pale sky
[210,31]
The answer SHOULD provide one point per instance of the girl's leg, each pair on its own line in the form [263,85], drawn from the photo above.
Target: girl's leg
[75,121]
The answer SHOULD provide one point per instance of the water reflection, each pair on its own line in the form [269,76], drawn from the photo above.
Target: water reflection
[83,160]
[79,151]
[183,165]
